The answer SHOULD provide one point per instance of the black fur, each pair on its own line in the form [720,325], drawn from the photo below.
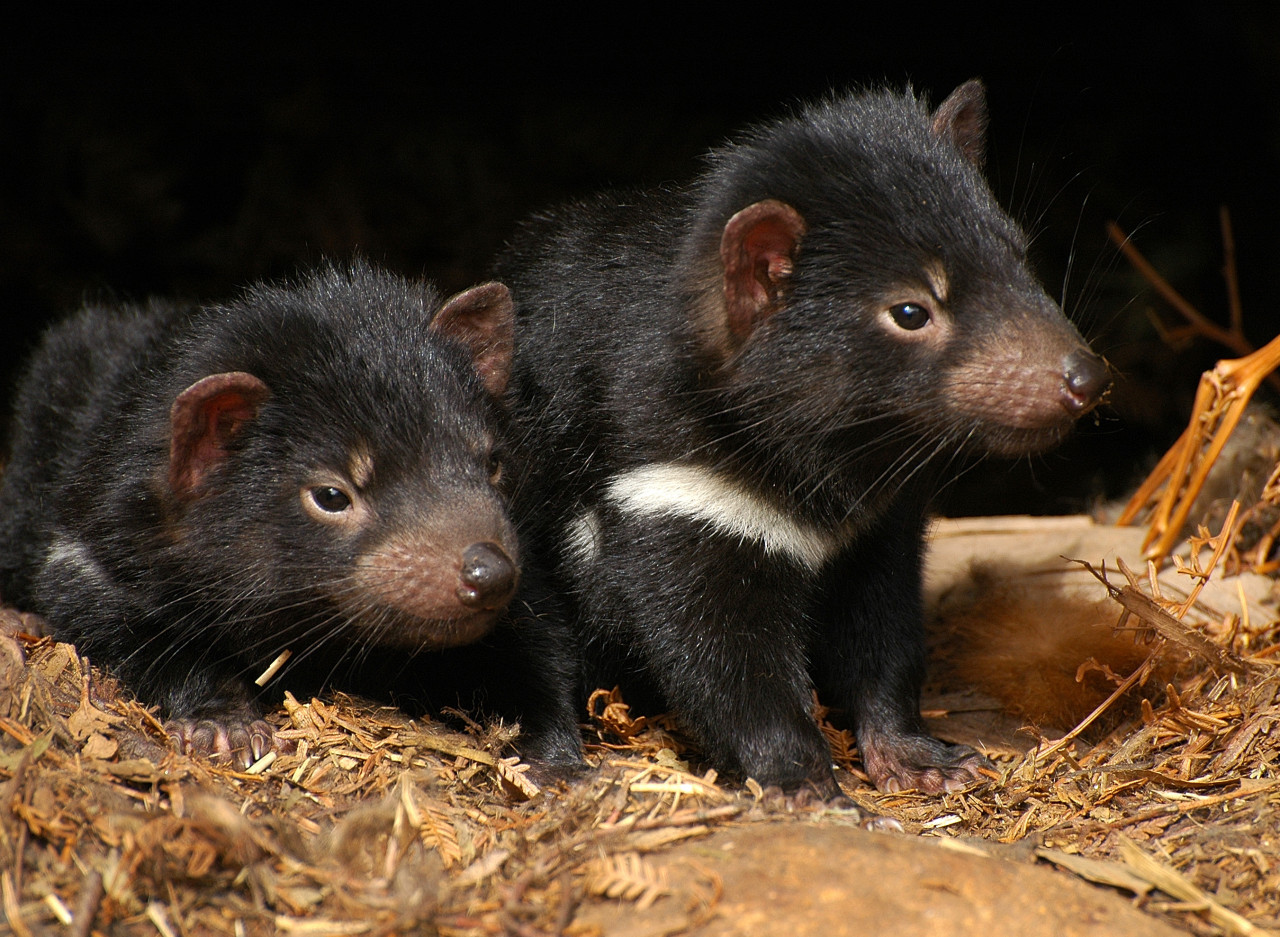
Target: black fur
[188,594]
[746,328]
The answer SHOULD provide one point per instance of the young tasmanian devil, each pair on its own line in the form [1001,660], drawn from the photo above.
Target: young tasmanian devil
[311,468]
[735,400]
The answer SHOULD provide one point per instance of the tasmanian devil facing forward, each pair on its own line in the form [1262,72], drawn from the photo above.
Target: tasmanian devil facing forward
[735,400]
[193,491]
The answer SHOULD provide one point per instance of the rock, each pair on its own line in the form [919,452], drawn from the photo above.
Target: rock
[810,880]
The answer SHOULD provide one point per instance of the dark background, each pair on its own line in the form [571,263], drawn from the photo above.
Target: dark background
[142,154]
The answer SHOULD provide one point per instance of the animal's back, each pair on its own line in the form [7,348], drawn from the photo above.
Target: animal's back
[590,277]
[75,379]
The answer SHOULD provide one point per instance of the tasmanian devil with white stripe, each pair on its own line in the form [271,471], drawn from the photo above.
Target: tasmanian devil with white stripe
[310,468]
[735,400]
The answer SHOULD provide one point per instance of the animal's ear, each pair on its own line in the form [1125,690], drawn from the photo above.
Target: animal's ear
[758,250]
[962,119]
[483,319]
[203,421]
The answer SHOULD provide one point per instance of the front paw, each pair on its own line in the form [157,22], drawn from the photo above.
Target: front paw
[899,762]
[550,773]
[237,742]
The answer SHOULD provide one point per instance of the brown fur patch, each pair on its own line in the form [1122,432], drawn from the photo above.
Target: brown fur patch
[939,284]
[1046,655]
[360,466]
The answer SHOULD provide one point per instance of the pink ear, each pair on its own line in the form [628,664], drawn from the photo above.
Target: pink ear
[202,422]
[962,118]
[758,250]
[483,319]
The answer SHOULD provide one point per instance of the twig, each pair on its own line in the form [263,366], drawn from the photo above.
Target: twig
[1220,403]
[86,909]
[1176,885]
[1226,536]
[12,912]
[1150,613]
[1229,274]
[1233,337]
[1139,675]
[1187,806]
[1221,398]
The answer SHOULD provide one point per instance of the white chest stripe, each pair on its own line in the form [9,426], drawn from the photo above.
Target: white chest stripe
[700,494]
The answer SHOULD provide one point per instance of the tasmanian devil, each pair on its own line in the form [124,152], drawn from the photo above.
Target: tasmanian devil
[734,401]
[193,491]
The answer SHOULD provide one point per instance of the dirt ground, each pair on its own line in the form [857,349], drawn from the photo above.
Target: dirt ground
[1161,816]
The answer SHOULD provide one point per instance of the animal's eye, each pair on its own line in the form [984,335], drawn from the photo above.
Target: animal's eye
[495,468]
[329,499]
[909,316]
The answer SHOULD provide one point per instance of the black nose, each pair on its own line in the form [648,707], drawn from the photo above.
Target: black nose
[1085,379]
[488,577]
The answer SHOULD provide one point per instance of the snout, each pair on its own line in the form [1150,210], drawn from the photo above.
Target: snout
[1021,397]
[437,579]
[1085,381]
[487,579]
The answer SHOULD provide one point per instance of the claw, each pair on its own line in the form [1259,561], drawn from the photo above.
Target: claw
[898,763]
[233,742]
